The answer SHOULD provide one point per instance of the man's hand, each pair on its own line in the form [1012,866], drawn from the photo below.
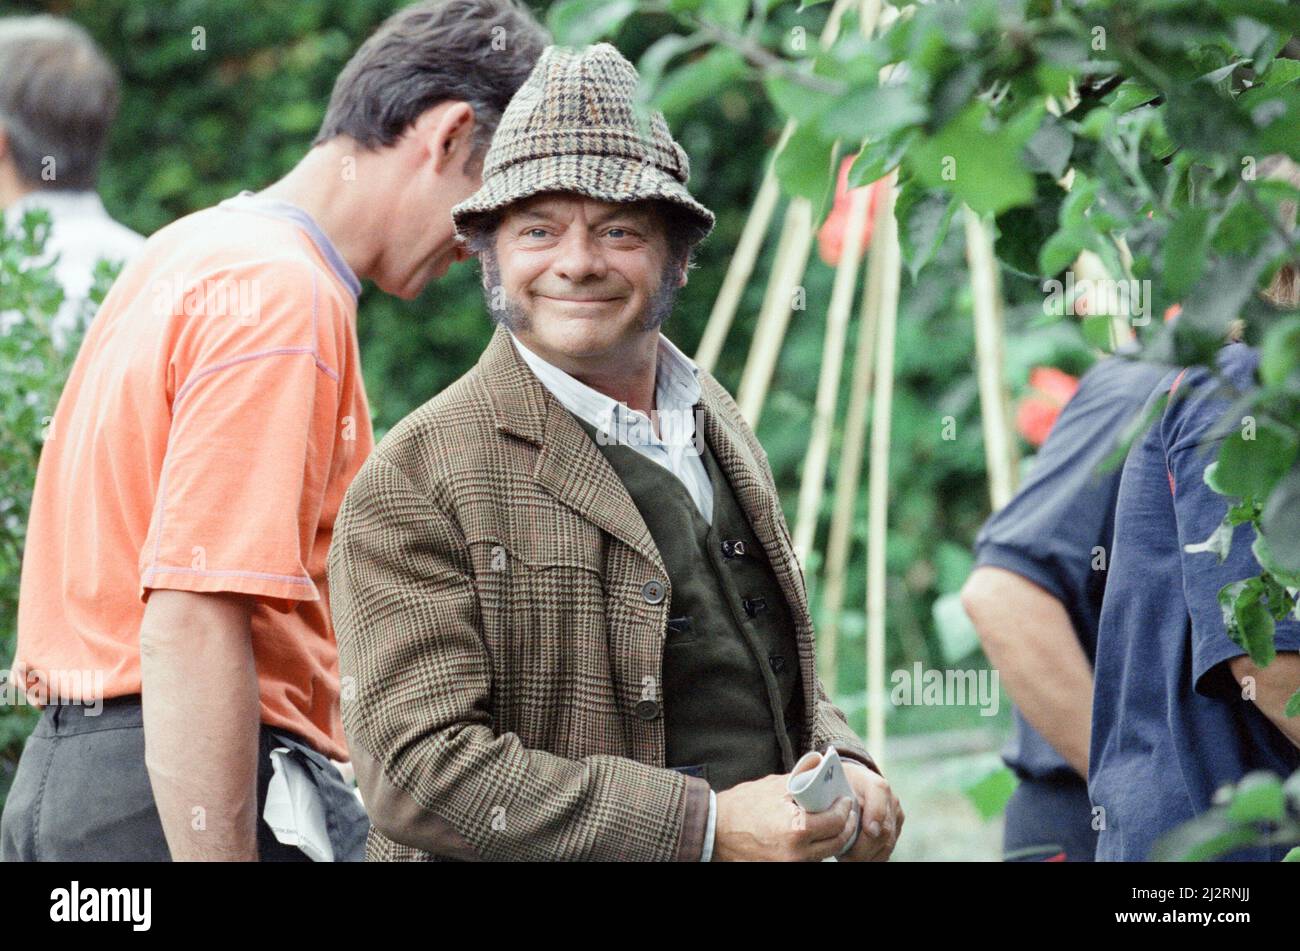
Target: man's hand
[759,822]
[882,816]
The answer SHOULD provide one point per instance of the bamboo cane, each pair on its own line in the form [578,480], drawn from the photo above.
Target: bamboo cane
[1000,449]
[849,475]
[740,269]
[878,474]
[760,216]
[778,304]
[828,382]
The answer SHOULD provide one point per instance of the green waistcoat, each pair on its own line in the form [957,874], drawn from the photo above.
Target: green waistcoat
[732,702]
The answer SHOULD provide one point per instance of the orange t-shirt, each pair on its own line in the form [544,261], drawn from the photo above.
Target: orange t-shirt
[211,424]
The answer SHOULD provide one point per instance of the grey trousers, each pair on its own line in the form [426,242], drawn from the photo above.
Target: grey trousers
[82,793]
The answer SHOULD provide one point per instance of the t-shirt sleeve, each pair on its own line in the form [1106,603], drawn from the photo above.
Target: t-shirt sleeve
[1191,444]
[1050,531]
[254,421]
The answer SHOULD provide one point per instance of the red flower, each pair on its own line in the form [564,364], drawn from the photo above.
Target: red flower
[1049,390]
[830,239]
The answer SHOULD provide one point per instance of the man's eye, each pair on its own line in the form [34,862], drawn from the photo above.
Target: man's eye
[618,233]
[536,232]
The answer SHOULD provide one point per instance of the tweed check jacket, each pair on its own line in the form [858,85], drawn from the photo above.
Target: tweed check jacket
[488,580]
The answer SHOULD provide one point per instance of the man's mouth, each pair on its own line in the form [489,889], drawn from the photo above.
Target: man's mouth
[579,300]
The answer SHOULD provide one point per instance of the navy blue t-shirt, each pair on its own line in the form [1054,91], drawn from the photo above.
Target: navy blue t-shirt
[1169,723]
[1049,532]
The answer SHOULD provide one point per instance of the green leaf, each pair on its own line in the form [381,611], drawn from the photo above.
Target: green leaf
[1061,250]
[869,112]
[1276,13]
[1241,230]
[1097,331]
[797,100]
[655,60]
[1249,468]
[957,636]
[1049,148]
[1281,72]
[1130,94]
[725,12]
[991,793]
[1268,561]
[1185,247]
[1205,120]
[978,160]
[579,23]
[1247,619]
[1023,232]
[1276,113]
[1209,836]
[1280,521]
[699,79]
[878,159]
[803,167]
[1280,352]
[1257,798]
[923,220]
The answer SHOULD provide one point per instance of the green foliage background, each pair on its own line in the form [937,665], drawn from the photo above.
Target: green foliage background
[198,126]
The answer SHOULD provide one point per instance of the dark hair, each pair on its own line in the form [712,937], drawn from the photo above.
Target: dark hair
[58,97]
[474,51]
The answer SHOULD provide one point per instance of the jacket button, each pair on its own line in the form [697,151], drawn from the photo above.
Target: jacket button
[647,709]
[754,605]
[653,591]
[777,661]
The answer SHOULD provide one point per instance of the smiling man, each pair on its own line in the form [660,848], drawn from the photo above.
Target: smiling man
[187,494]
[565,592]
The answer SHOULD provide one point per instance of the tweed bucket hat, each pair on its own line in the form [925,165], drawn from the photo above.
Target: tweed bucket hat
[572,127]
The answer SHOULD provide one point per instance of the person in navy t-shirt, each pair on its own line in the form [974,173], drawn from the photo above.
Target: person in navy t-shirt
[1170,721]
[1035,599]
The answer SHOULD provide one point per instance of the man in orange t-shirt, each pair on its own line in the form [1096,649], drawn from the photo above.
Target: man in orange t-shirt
[173,621]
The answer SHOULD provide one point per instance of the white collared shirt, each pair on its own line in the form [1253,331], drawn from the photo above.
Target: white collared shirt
[677,389]
[81,233]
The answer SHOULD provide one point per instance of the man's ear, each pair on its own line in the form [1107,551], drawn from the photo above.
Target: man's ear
[449,132]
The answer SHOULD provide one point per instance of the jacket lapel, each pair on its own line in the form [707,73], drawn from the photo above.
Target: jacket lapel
[762,507]
[569,466]
[575,472]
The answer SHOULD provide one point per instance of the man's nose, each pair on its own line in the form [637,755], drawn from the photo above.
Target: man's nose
[579,258]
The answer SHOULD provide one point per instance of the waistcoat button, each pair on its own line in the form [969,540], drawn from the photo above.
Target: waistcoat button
[733,548]
[653,592]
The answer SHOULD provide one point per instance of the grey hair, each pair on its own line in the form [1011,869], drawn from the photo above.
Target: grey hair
[473,51]
[58,98]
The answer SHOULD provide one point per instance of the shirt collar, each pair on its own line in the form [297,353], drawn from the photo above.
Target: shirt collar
[60,203]
[677,387]
[248,201]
